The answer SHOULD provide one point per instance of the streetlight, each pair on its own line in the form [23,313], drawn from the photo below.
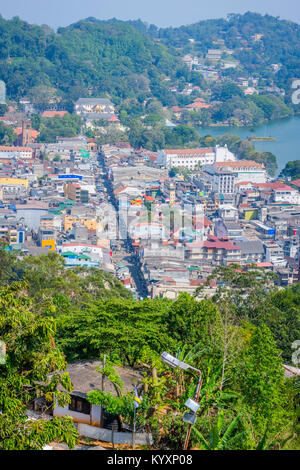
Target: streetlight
[193,405]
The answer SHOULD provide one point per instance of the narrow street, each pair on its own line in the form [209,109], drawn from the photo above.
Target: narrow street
[125,253]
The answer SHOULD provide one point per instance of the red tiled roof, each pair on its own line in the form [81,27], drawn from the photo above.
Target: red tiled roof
[197,282]
[4,148]
[214,242]
[224,245]
[240,164]
[296,183]
[205,222]
[51,114]
[197,151]
[125,145]
[176,109]
[243,183]
[34,133]
[169,279]
[264,265]
[276,186]
[198,105]
[113,119]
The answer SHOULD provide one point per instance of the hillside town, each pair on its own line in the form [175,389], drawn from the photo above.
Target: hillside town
[122,210]
[149,231]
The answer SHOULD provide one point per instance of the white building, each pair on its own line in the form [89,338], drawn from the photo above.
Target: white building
[224,182]
[83,248]
[191,158]
[223,154]
[15,152]
[92,109]
[286,194]
[274,254]
[228,211]
[146,230]
[245,170]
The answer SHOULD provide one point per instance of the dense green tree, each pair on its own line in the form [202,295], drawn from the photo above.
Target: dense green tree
[260,377]
[3,109]
[190,321]
[291,170]
[66,126]
[7,135]
[31,355]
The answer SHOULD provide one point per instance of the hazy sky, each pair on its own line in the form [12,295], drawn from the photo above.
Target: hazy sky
[160,12]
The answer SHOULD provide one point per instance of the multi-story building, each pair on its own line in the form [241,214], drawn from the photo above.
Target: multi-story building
[291,246]
[24,153]
[286,194]
[245,170]
[215,251]
[214,55]
[187,158]
[12,188]
[191,158]
[92,109]
[77,194]
[251,251]
[224,182]
[274,253]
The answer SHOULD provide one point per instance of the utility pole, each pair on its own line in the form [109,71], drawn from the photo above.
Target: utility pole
[174,362]
[102,388]
[188,434]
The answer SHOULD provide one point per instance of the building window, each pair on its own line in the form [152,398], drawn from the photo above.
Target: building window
[80,405]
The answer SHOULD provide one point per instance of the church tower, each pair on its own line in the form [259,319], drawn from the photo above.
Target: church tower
[26,134]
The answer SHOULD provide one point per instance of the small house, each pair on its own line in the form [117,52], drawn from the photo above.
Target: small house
[85,379]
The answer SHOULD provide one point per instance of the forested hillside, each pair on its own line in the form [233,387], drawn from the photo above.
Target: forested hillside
[240,340]
[130,59]
[85,58]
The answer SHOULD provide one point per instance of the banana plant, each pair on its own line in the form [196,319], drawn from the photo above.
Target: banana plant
[220,438]
[210,394]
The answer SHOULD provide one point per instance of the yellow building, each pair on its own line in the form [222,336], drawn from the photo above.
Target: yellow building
[251,214]
[50,244]
[69,221]
[14,182]
[73,191]
[172,194]
[92,147]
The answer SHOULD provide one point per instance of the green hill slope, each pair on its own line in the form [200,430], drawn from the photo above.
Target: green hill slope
[88,57]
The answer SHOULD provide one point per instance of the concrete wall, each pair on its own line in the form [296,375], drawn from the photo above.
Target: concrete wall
[117,437]
[93,418]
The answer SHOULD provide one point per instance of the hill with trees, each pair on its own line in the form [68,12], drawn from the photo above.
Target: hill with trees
[131,59]
[279,42]
[87,58]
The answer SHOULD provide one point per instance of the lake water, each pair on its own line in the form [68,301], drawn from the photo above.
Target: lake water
[285,131]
